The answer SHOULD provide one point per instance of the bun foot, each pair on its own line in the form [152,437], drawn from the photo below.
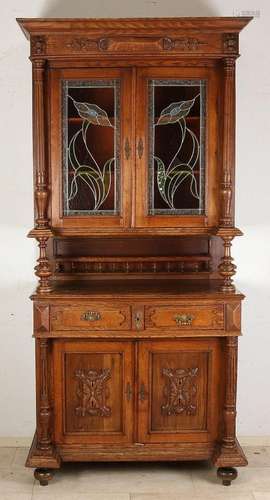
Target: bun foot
[227,474]
[43,476]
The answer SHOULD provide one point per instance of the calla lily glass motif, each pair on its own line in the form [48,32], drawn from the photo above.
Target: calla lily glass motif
[98,179]
[170,178]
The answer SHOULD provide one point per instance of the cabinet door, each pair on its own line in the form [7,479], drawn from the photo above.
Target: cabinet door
[90,147]
[93,391]
[179,390]
[176,160]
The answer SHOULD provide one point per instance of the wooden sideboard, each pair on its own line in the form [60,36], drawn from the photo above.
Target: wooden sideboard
[136,316]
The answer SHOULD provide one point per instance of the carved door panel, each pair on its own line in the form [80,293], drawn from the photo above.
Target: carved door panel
[176,132]
[93,387]
[91,150]
[179,390]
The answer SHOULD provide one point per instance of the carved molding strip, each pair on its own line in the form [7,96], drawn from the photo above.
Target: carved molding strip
[92,392]
[84,44]
[180,391]
[132,44]
[90,267]
[185,43]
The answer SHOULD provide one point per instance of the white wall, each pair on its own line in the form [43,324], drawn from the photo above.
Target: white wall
[17,254]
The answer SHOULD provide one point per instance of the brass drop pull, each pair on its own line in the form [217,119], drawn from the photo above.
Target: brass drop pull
[184,319]
[142,392]
[128,392]
[138,320]
[140,148]
[127,149]
[91,316]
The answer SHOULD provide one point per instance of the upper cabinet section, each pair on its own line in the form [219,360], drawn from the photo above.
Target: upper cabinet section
[89,127]
[177,140]
[133,124]
[73,38]
[91,142]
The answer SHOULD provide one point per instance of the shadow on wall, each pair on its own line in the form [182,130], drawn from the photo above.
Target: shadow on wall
[127,8]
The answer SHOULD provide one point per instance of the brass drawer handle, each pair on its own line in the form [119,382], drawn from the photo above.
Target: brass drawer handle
[184,319]
[91,316]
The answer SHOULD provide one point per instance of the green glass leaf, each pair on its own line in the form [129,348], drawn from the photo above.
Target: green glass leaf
[161,178]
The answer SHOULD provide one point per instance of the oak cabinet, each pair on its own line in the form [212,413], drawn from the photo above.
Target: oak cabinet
[93,384]
[178,386]
[136,315]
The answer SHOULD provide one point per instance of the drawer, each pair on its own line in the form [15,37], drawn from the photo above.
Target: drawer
[184,316]
[91,317]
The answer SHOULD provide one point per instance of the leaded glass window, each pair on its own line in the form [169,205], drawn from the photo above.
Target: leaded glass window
[91,134]
[176,146]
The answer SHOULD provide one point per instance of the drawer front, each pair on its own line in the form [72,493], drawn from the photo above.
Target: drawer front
[91,317]
[185,317]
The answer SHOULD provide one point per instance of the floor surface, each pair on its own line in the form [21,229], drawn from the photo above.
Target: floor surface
[121,481]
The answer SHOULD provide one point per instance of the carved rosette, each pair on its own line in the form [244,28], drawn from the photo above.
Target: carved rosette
[38,45]
[230,42]
[92,392]
[180,391]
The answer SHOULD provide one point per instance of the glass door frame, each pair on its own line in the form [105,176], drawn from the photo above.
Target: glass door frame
[59,220]
[210,217]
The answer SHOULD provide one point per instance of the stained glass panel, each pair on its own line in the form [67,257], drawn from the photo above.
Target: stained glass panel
[91,132]
[176,146]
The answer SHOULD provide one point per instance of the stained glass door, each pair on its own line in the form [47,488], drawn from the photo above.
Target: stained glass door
[174,149]
[90,114]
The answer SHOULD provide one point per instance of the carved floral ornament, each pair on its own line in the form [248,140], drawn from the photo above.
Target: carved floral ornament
[230,42]
[92,392]
[180,391]
[84,44]
[38,45]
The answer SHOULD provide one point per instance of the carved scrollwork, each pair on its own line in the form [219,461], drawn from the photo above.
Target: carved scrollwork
[92,392]
[87,44]
[186,43]
[180,391]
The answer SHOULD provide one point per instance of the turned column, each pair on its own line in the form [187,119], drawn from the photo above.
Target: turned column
[42,231]
[231,354]
[228,146]
[44,411]
[226,230]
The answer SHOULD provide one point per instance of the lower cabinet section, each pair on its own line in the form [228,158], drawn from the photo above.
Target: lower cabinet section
[137,391]
[181,387]
[93,388]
